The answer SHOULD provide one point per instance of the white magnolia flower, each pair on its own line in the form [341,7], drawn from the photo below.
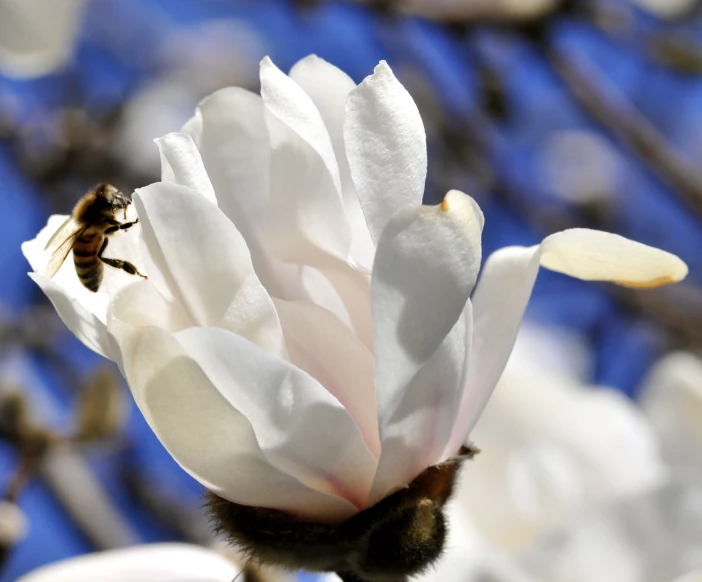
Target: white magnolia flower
[307,339]
[169,562]
[552,446]
[37,37]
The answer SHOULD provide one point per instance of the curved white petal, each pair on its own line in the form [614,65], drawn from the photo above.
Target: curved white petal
[230,131]
[207,264]
[169,562]
[37,37]
[305,219]
[320,344]
[181,164]
[285,99]
[499,301]
[385,146]
[594,255]
[425,268]
[301,427]
[202,430]
[328,87]
[418,424]
[87,327]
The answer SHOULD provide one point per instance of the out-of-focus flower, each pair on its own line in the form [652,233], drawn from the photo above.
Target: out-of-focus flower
[149,563]
[305,340]
[642,538]
[666,9]
[552,446]
[37,37]
[672,400]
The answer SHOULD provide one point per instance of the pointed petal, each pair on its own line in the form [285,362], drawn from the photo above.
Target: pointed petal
[230,130]
[386,147]
[166,562]
[425,268]
[206,263]
[285,99]
[203,431]
[301,428]
[328,87]
[181,164]
[499,301]
[305,220]
[417,425]
[320,344]
[601,256]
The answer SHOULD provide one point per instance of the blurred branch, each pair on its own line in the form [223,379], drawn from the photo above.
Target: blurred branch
[628,125]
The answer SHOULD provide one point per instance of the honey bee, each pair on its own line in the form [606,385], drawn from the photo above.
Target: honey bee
[398,537]
[86,233]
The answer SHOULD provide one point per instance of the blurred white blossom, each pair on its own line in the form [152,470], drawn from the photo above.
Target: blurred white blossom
[666,9]
[168,562]
[37,37]
[552,446]
[672,400]
[307,339]
[649,537]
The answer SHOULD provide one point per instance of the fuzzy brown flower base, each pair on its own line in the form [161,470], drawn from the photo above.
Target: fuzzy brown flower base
[398,537]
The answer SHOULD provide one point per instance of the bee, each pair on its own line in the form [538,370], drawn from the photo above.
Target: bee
[400,536]
[86,233]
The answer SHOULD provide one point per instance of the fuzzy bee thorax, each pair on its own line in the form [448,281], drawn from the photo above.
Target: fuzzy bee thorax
[398,537]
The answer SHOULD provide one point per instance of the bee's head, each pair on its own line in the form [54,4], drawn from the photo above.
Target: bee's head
[113,198]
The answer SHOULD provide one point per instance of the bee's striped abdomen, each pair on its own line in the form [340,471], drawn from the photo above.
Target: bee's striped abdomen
[88,266]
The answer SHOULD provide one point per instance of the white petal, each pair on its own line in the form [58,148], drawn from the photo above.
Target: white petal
[301,428]
[289,103]
[386,147]
[601,256]
[328,87]
[206,435]
[499,301]
[425,268]
[206,263]
[321,345]
[37,37]
[305,220]
[83,324]
[417,425]
[181,164]
[231,133]
[169,562]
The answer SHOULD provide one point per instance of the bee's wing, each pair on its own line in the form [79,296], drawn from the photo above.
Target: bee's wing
[63,240]
[69,226]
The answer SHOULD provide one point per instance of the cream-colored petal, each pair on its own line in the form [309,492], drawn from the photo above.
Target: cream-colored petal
[594,255]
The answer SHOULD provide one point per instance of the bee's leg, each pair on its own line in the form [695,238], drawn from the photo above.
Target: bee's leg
[120,226]
[118,263]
